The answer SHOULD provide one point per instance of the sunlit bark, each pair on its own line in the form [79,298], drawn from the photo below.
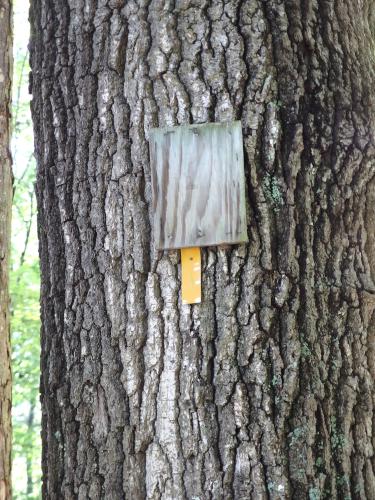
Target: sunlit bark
[5,214]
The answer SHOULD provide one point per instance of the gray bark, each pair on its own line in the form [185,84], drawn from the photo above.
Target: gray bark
[266,389]
[5,215]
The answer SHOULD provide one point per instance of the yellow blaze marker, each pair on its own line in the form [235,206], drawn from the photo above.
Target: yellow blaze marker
[191,275]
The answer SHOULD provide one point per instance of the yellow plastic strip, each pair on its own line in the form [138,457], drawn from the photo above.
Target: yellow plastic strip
[191,275]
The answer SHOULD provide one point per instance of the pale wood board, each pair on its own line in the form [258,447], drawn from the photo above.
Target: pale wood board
[198,185]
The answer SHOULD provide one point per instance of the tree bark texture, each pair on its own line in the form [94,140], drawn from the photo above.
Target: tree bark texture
[5,215]
[266,389]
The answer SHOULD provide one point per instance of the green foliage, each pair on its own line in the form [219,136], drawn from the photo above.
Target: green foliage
[24,280]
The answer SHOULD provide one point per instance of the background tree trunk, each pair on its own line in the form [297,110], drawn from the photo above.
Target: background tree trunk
[5,214]
[266,389]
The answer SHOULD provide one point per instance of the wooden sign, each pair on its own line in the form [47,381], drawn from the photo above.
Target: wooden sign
[198,185]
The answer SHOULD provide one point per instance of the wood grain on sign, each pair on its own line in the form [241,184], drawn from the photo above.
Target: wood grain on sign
[198,185]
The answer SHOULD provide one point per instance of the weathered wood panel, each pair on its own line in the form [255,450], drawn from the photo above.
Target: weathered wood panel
[198,185]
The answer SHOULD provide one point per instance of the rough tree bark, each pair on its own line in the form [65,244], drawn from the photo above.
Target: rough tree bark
[266,389]
[5,214]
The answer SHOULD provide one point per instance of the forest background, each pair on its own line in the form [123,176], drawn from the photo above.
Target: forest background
[25,280]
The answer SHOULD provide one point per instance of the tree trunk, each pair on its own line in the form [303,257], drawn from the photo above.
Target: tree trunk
[266,389]
[5,214]
[29,457]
